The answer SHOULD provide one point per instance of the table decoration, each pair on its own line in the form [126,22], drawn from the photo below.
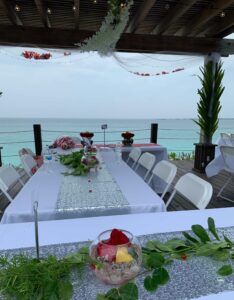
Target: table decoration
[81,162]
[64,142]
[192,264]
[128,138]
[116,256]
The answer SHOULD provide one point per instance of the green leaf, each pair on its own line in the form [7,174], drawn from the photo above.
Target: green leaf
[161,275]
[201,233]
[225,270]
[210,249]
[190,238]
[155,260]
[228,240]
[211,226]
[65,290]
[150,284]
[128,291]
[222,255]
[175,243]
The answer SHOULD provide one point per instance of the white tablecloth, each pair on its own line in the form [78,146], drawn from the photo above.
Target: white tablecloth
[44,187]
[75,230]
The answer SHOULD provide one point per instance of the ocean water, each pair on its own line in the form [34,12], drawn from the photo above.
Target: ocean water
[178,135]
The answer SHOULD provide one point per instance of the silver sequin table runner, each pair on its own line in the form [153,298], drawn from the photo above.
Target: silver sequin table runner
[189,279]
[93,195]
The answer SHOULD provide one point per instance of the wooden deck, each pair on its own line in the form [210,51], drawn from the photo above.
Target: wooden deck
[178,203]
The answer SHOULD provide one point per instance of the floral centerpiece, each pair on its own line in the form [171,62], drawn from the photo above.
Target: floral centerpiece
[116,256]
[87,137]
[64,142]
[128,138]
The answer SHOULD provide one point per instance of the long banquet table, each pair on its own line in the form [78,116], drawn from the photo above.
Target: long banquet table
[45,187]
[76,230]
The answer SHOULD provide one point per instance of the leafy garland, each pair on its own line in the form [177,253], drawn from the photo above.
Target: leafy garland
[105,40]
[26,278]
[73,160]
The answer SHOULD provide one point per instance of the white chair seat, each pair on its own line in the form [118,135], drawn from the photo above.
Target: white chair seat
[147,161]
[8,177]
[194,189]
[166,171]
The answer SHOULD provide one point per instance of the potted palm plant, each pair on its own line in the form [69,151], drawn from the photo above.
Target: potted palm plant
[208,109]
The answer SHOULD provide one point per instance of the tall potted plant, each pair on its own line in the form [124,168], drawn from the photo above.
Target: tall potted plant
[208,109]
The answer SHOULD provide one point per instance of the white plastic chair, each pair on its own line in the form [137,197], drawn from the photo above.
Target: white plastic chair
[147,161]
[227,153]
[193,188]
[24,151]
[227,139]
[8,177]
[166,171]
[28,163]
[134,156]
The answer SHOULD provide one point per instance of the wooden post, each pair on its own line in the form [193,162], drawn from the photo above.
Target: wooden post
[37,138]
[154,133]
[1,156]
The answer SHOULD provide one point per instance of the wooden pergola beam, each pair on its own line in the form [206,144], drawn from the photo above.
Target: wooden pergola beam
[77,13]
[11,13]
[173,15]
[220,27]
[43,13]
[203,17]
[140,43]
[140,15]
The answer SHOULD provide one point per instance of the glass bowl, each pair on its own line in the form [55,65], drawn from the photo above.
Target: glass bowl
[116,256]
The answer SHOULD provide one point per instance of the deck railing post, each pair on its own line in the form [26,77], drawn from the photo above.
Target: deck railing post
[0,156]
[37,138]
[154,133]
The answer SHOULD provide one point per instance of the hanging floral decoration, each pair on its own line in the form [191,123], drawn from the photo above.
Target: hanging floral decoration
[35,55]
[105,40]
[157,74]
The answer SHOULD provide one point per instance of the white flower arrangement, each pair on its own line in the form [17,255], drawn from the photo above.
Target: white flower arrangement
[105,40]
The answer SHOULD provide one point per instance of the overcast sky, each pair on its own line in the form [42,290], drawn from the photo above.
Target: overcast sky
[88,86]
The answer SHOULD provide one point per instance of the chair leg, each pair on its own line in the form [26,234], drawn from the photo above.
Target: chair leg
[222,189]
[170,198]
[8,196]
[165,190]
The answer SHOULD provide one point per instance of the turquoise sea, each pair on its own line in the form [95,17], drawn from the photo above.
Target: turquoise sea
[178,135]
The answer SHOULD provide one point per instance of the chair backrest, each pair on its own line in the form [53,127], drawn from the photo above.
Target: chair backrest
[76,139]
[196,190]
[227,153]
[24,151]
[227,139]
[8,177]
[166,171]
[147,161]
[29,164]
[134,155]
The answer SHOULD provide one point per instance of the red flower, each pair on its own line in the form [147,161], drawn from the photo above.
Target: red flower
[117,237]
[127,135]
[87,134]
[184,257]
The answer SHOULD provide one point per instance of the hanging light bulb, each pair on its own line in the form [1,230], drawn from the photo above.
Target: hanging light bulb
[167,6]
[49,11]
[95,1]
[222,14]
[74,8]
[17,8]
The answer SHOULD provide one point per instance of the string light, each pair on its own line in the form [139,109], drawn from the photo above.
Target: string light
[17,8]
[49,11]
[222,14]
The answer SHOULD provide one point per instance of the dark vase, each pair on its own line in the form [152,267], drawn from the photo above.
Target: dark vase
[127,142]
[204,154]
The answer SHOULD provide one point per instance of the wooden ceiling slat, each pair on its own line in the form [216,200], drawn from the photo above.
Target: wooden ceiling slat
[203,17]
[173,15]
[145,43]
[43,13]
[140,15]
[11,13]
[77,13]
[217,28]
